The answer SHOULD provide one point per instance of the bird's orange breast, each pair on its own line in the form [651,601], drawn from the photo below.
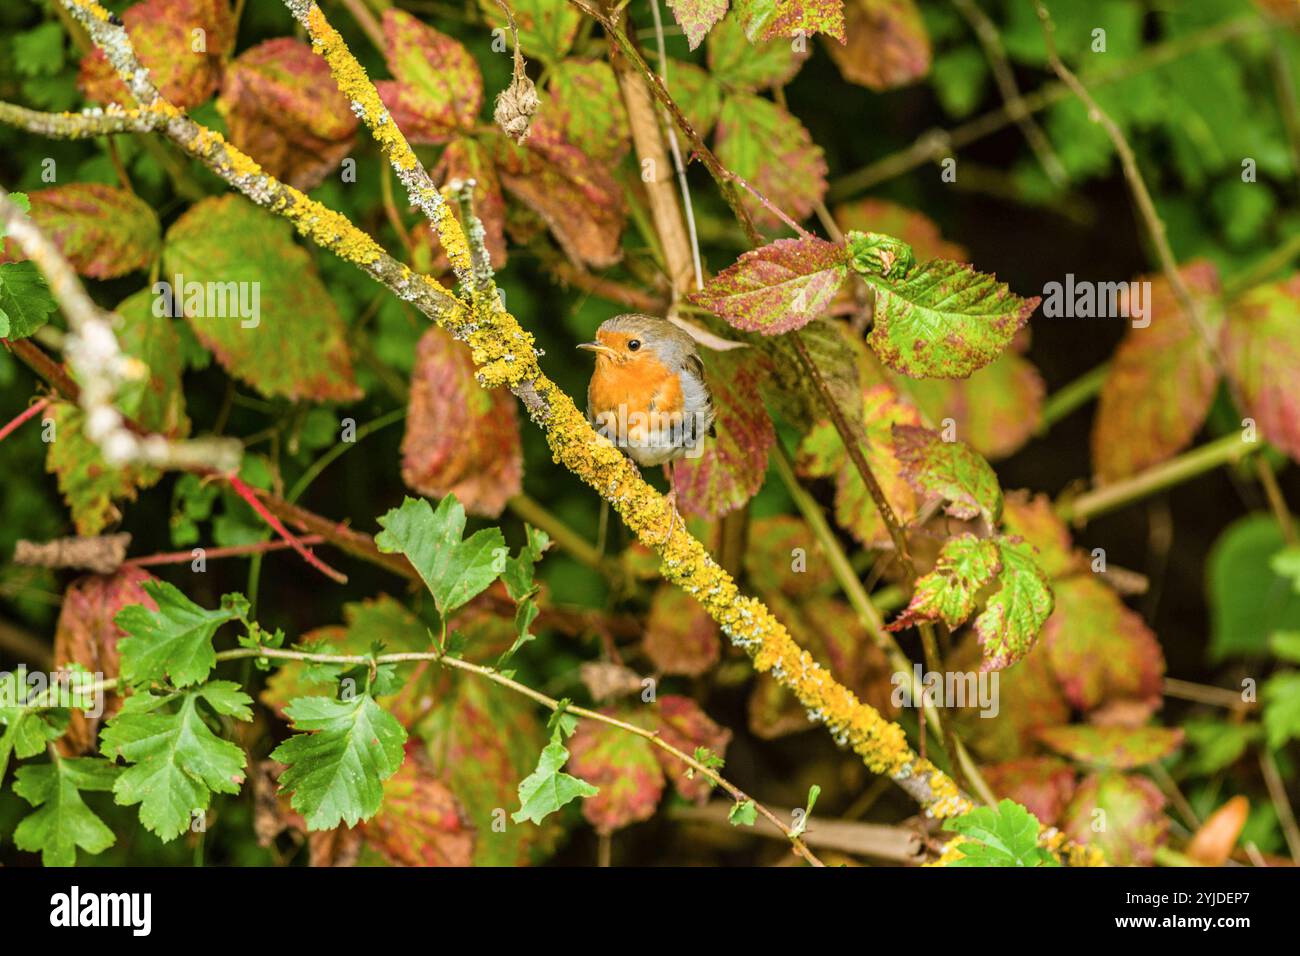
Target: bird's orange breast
[641,385]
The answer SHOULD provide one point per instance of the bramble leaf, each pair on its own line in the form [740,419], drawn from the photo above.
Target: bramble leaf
[421,822]
[177,763]
[887,47]
[949,593]
[460,439]
[584,101]
[1005,836]
[680,637]
[1015,614]
[697,17]
[439,89]
[627,780]
[771,149]
[767,19]
[778,287]
[1280,695]
[548,788]
[103,231]
[950,471]
[1261,349]
[175,641]
[940,319]
[453,570]
[62,822]
[336,770]
[289,341]
[740,65]
[1118,748]
[1134,810]
[546,29]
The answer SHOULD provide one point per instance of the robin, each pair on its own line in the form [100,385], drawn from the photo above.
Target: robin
[648,394]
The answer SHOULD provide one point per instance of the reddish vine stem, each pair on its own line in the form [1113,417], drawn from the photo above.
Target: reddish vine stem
[233,551]
[28,413]
[249,496]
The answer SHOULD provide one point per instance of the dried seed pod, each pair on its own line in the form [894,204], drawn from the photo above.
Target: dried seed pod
[515,107]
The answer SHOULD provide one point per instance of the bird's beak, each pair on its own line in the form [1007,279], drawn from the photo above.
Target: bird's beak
[596,347]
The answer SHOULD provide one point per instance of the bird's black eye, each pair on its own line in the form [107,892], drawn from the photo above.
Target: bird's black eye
[633,345]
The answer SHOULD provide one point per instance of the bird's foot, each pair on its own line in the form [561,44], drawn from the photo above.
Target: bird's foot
[674,516]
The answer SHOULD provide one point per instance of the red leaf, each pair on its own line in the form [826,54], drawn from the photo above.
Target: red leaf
[1134,819]
[1042,784]
[1261,348]
[421,822]
[770,149]
[697,17]
[680,636]
[439,90]
[105,232]
[283,109]
[778,287]
[623,766]
[165,34]
[460,439]
[682,724]
[887,47]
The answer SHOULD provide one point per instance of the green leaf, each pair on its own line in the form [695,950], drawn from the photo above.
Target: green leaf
[336,772]
[767,146]
[949,592]
[742,813]
[62,821]
[25,300]
[778,287]
[1285,645]
[1006,836]
[583,99]
[294,343]
[942,319]
[518,575]
[1280,695]
[546,28]
[1218,744]
[177,762]
[1248,600]
[767,19]
[26,731]
[548,788]
[1015,614]
[813,793]
[1118,748]
[741,65]
[175,640]
[39,51]
[453,570]
[951,471]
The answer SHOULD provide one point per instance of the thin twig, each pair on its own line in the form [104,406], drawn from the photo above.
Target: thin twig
[212,554]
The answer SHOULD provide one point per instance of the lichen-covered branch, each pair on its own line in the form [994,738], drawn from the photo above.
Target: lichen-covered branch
[506,357]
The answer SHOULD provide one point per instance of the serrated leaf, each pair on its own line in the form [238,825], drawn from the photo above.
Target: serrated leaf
[778,287]
[681,723]
[546,29]
[770,149]
[175,641]
[1016,612]
[296,346]
[281,106]
[439,89]
[453,570]
[156,401]
[785,556]
[948,471]
[177,762]
[1160,384]
[697,17]
[1005,836]
[1280,695]
[87,483]
[742,814]
[1261,350]
[732,463]
[888,45]
[1118,748]
[949,593]
[421,822]
[1101,652]
[626,780]
[680,637]
[62,822]
[697,93]
[790,393]
[548,788]
[103,231]
[1133,808]
[460,439]
[25,300]
[26,732]
[766,19]
[893,219]
[163,36]
[39,51]
[1032,517]
[942,319]
[738,64]
[583,101]
[336,770]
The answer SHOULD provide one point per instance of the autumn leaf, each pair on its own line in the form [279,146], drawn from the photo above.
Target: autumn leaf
[1133,808]
[888,45]
[1101,652]
[1116,748]
[743,66]
[822,454]
[421,822]
[1015,614]
[733,462]
[460,439]
[1031,517]
[785,556]
[282,108]
[580,202]
[770,149]
[104,232]
[832,349]
[156,401]
[296,346]
[1213,842]
[546,28]
[88,484]
[680,637]
[697,93]
[681,723]
[767,19]
[1160,384]
[949,592]
[892,219]
[467,159]
[697,17]
[87,635]
[940,319]
[583,100]
[949,471]
[1042,784]
[622,766]
[778,287]
[439,90]
[180,42]
[1261,349]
